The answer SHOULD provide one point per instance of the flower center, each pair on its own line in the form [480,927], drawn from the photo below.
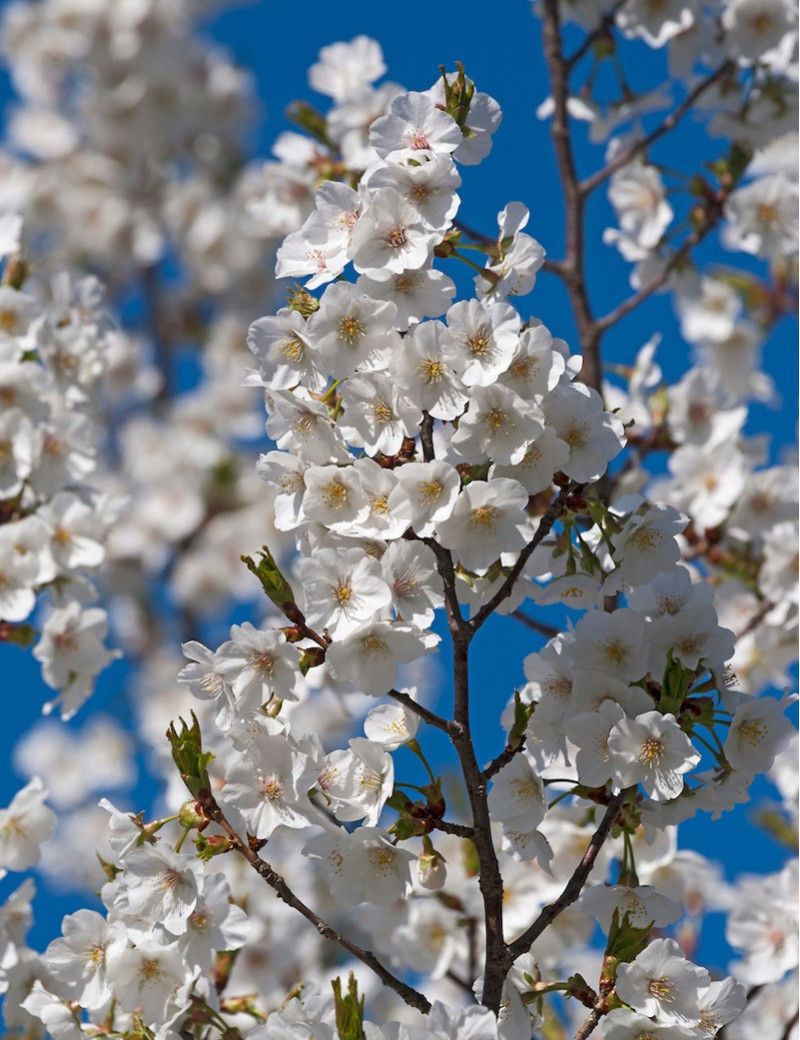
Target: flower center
[351,330]
[650,754]
[480,344]
[292,349]
[395,237]
[484,517]
[334,494]
[431,369]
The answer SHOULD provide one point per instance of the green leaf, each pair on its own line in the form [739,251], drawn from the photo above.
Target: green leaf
[349,1009]
[191,760]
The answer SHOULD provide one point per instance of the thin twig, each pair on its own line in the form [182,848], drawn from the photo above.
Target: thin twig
[477,236]
[509,752]
[589,1025]
[588,185]
[445,725]
[461,983]
[790,1025]
[755,620]
[662,277]
[573,887]
[411,996]
[544,528]
[534,624]
[602,28]
[426,437]
[460,830]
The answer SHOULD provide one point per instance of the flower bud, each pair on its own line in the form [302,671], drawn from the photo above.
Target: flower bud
[192,816]
[431,869]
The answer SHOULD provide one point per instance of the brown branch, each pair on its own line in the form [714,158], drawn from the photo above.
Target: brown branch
[571,269]
[655,283]
[478,236]
[411,996]
[573,887]
[426,437]
[509,751]
[544,528]
[460,830]
[790,1025]
[445,725]
[490,881]
[589,1025]
[534,624]
[755,620]
[461,983]
[602,28]
[444,565]
[588,185]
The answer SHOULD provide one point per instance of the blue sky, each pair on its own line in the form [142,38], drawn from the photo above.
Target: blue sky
[500,48]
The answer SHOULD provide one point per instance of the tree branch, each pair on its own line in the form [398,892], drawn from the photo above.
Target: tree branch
[588,185]
[445,725]
[589,1025]
[571,269]
[544,528]
[505,756]
[411,996]
[575,884]
[655,283]
[534,624]
[602,28]
[490,880]
[460,830]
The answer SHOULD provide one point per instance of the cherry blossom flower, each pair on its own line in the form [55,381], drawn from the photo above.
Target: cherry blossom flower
[653,751]
[25,825]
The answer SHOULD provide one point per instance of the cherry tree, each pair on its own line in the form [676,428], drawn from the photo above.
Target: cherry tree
[331,856]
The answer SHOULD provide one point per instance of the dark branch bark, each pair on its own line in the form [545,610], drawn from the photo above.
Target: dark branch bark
[542,531]
[587,186]
[662,277]
[411,996]
[445,725]
[575,884]
[589,1025]
[572,267]
[534,624]
[603,27]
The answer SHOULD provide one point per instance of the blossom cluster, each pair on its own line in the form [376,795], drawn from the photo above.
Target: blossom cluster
[435,462]
[53,521]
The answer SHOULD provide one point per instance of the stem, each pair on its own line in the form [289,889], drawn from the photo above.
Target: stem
[588,185]
[412,745]
[445,725]
[588,1027]
[534,624]
[572,267]
[603,27]
[411,996]
[460,830]
[505,756]
[544,528]
[662,277]
[573,887]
